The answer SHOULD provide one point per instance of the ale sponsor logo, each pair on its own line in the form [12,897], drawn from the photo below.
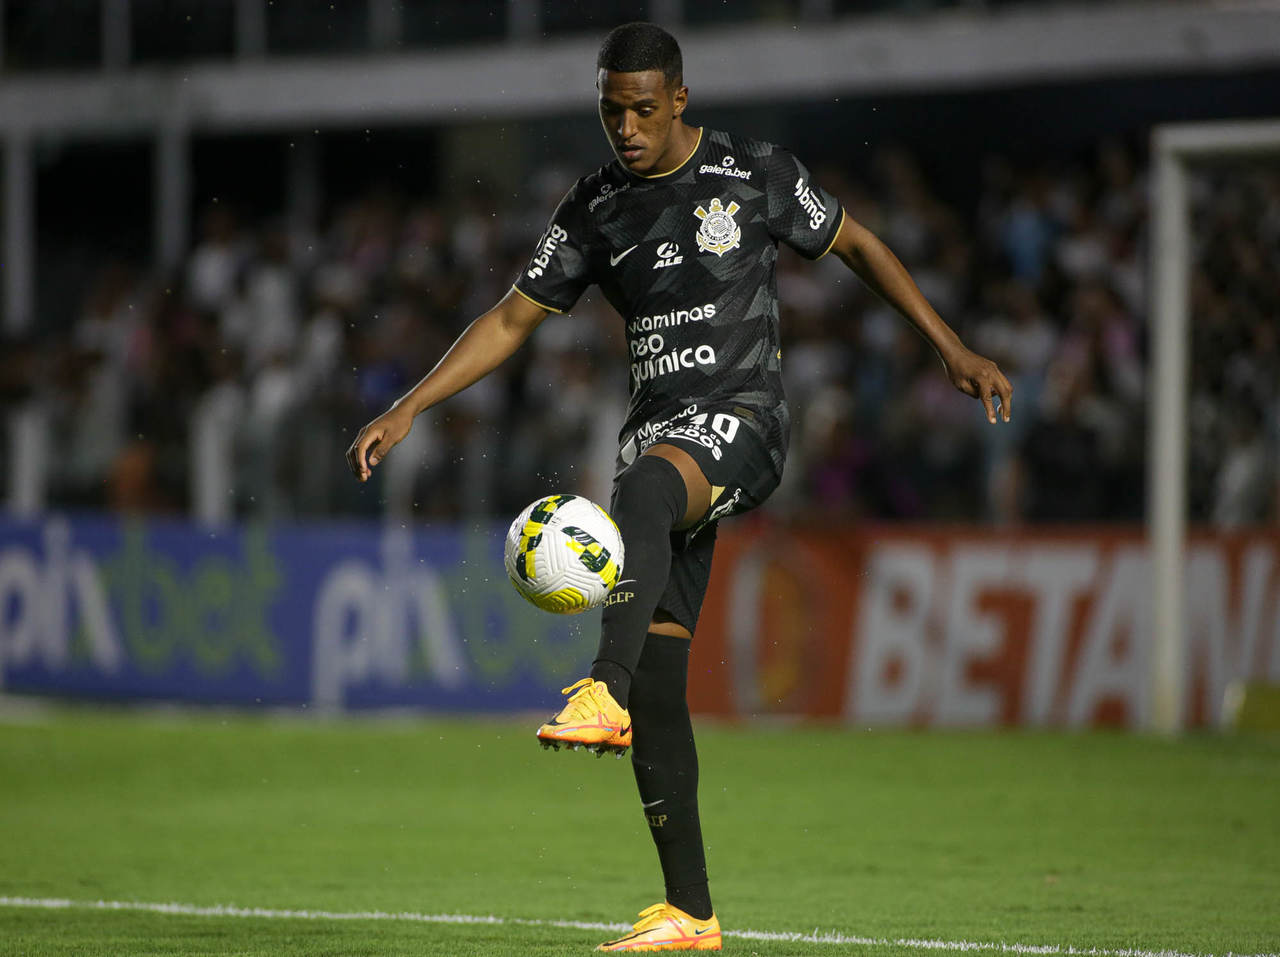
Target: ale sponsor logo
[668,255]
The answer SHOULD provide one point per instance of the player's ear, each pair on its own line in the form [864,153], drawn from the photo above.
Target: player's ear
[679,100]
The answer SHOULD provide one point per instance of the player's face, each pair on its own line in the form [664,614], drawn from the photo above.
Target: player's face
[639,113]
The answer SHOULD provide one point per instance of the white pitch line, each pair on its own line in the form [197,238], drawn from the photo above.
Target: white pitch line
[813,937]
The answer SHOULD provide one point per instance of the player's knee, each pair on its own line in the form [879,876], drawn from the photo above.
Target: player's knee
[652,491]
[664,625]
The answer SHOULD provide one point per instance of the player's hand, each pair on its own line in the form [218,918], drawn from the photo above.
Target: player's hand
[375,440]
[979,377]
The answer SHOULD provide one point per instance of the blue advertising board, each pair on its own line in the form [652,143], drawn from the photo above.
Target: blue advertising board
[333,616]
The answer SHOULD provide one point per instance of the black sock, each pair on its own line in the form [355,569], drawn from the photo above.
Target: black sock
[615,676]
[665,762]
[693,899]
[649,498]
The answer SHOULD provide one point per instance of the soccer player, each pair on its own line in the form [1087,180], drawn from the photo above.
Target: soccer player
[680,231]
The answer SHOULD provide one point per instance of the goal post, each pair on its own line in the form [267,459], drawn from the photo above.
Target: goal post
[1175,149]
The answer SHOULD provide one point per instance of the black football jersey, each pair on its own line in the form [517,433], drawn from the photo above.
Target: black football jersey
[688,259]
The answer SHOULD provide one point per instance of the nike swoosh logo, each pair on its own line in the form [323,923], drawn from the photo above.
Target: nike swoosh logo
[626,581]
[699,933]
[614,260]
[652,803]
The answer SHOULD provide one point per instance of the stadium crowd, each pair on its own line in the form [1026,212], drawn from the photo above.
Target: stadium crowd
[232,387]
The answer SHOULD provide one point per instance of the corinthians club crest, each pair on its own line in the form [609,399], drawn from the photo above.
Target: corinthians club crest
[718,232]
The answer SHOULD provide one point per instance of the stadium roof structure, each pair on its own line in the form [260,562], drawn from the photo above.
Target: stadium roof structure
[813,60]
[754,63]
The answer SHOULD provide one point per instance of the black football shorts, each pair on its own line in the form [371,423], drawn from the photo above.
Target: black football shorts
[742,474]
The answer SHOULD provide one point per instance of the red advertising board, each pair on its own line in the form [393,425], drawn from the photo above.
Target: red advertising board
[944,626]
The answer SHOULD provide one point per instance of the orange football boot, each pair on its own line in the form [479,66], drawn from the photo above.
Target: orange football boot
[663,927]
[590,719]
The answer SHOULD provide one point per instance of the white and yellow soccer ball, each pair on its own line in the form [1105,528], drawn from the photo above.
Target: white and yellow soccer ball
[564,554]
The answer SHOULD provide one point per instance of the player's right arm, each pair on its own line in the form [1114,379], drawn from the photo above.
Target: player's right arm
[481,348]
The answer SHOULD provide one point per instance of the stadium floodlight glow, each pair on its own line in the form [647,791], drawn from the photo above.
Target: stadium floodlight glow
[1175,148]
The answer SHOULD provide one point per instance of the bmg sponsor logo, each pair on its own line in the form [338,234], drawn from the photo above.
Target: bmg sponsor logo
[810,203]
[550,243]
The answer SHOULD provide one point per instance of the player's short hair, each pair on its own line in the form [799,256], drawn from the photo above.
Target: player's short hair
[637,47]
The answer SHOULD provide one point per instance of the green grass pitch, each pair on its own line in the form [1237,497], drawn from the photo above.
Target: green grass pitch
[1043,839]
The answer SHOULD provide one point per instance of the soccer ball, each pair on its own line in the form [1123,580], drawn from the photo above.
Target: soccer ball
[564,554]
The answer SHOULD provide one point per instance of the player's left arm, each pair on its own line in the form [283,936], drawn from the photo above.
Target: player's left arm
[877,266]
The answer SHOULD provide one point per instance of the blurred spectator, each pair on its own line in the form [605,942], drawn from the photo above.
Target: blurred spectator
[1027,229]
[233,388]
[1245,482]
[1022,340]
[215,262]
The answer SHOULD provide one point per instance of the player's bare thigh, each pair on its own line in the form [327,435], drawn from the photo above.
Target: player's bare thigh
[695,483]
[699,496]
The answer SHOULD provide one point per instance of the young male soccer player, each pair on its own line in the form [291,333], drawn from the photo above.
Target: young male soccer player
[681,233]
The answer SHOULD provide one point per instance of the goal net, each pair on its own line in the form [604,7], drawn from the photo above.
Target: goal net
[1215,389]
